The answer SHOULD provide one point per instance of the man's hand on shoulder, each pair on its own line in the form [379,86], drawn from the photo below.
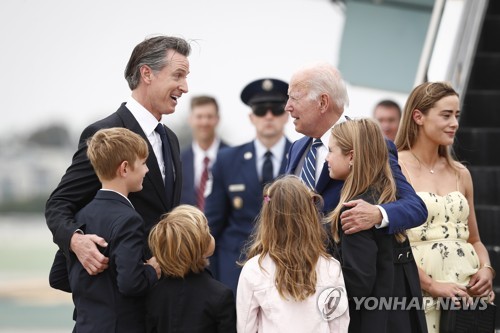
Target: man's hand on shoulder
[85,249]
[360,216]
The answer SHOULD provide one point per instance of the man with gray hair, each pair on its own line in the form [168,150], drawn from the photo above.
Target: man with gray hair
[156,73]
[316,99]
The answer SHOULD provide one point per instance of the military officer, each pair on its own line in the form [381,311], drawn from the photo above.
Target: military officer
[240,173]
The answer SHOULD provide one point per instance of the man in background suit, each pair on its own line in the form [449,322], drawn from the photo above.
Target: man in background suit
[388,114]
[199,157]
[240,173]
[317,96]
[156,73]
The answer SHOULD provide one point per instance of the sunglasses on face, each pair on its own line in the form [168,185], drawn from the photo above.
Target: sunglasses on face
[260,110]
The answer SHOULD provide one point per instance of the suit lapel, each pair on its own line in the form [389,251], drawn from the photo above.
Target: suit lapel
[154,174]
[302,144]
[176,158]
[284,161]
[324,178]
[111,195]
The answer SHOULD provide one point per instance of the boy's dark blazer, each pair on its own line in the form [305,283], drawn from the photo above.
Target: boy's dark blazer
[114,300]
[196,303]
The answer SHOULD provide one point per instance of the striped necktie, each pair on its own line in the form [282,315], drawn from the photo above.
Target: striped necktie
[308,173]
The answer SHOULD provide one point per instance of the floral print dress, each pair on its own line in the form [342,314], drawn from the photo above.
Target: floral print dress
[440,245]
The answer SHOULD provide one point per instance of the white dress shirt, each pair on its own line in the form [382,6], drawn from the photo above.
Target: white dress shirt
[321,153]
[148,124]
[199,155]
[278,151]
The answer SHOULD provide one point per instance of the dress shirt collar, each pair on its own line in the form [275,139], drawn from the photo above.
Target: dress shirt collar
[106,189]
[277,149]
[145,119]
[211,152]
[326,136]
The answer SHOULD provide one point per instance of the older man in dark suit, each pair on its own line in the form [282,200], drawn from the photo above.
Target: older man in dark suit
[317,96]
[240,173]
[156,74]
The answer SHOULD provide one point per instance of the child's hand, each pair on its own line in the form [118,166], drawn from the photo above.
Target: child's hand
[152,262]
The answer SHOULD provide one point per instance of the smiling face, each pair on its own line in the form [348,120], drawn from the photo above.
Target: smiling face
[136,174]
[203,121]
[439,125]
[165,87]
[338,162]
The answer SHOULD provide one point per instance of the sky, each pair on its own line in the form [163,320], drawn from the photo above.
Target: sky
[64,60]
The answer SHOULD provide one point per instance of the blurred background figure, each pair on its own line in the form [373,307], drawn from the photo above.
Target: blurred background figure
[198,158]
[388,114]
[240,173]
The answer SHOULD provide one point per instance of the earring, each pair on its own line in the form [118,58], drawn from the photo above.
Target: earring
[350,165]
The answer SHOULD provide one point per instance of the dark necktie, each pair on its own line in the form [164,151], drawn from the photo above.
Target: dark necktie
[267,168]
[308,173]
[200,194]
[167,163]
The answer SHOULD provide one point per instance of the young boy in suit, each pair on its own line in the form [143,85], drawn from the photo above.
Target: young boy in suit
[113,301]
[187,298]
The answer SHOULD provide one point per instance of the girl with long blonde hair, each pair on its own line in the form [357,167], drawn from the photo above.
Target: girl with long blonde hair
[376,265]
[288,267]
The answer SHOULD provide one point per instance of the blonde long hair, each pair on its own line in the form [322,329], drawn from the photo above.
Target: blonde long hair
[423,98]
[370,168]
[290,232]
